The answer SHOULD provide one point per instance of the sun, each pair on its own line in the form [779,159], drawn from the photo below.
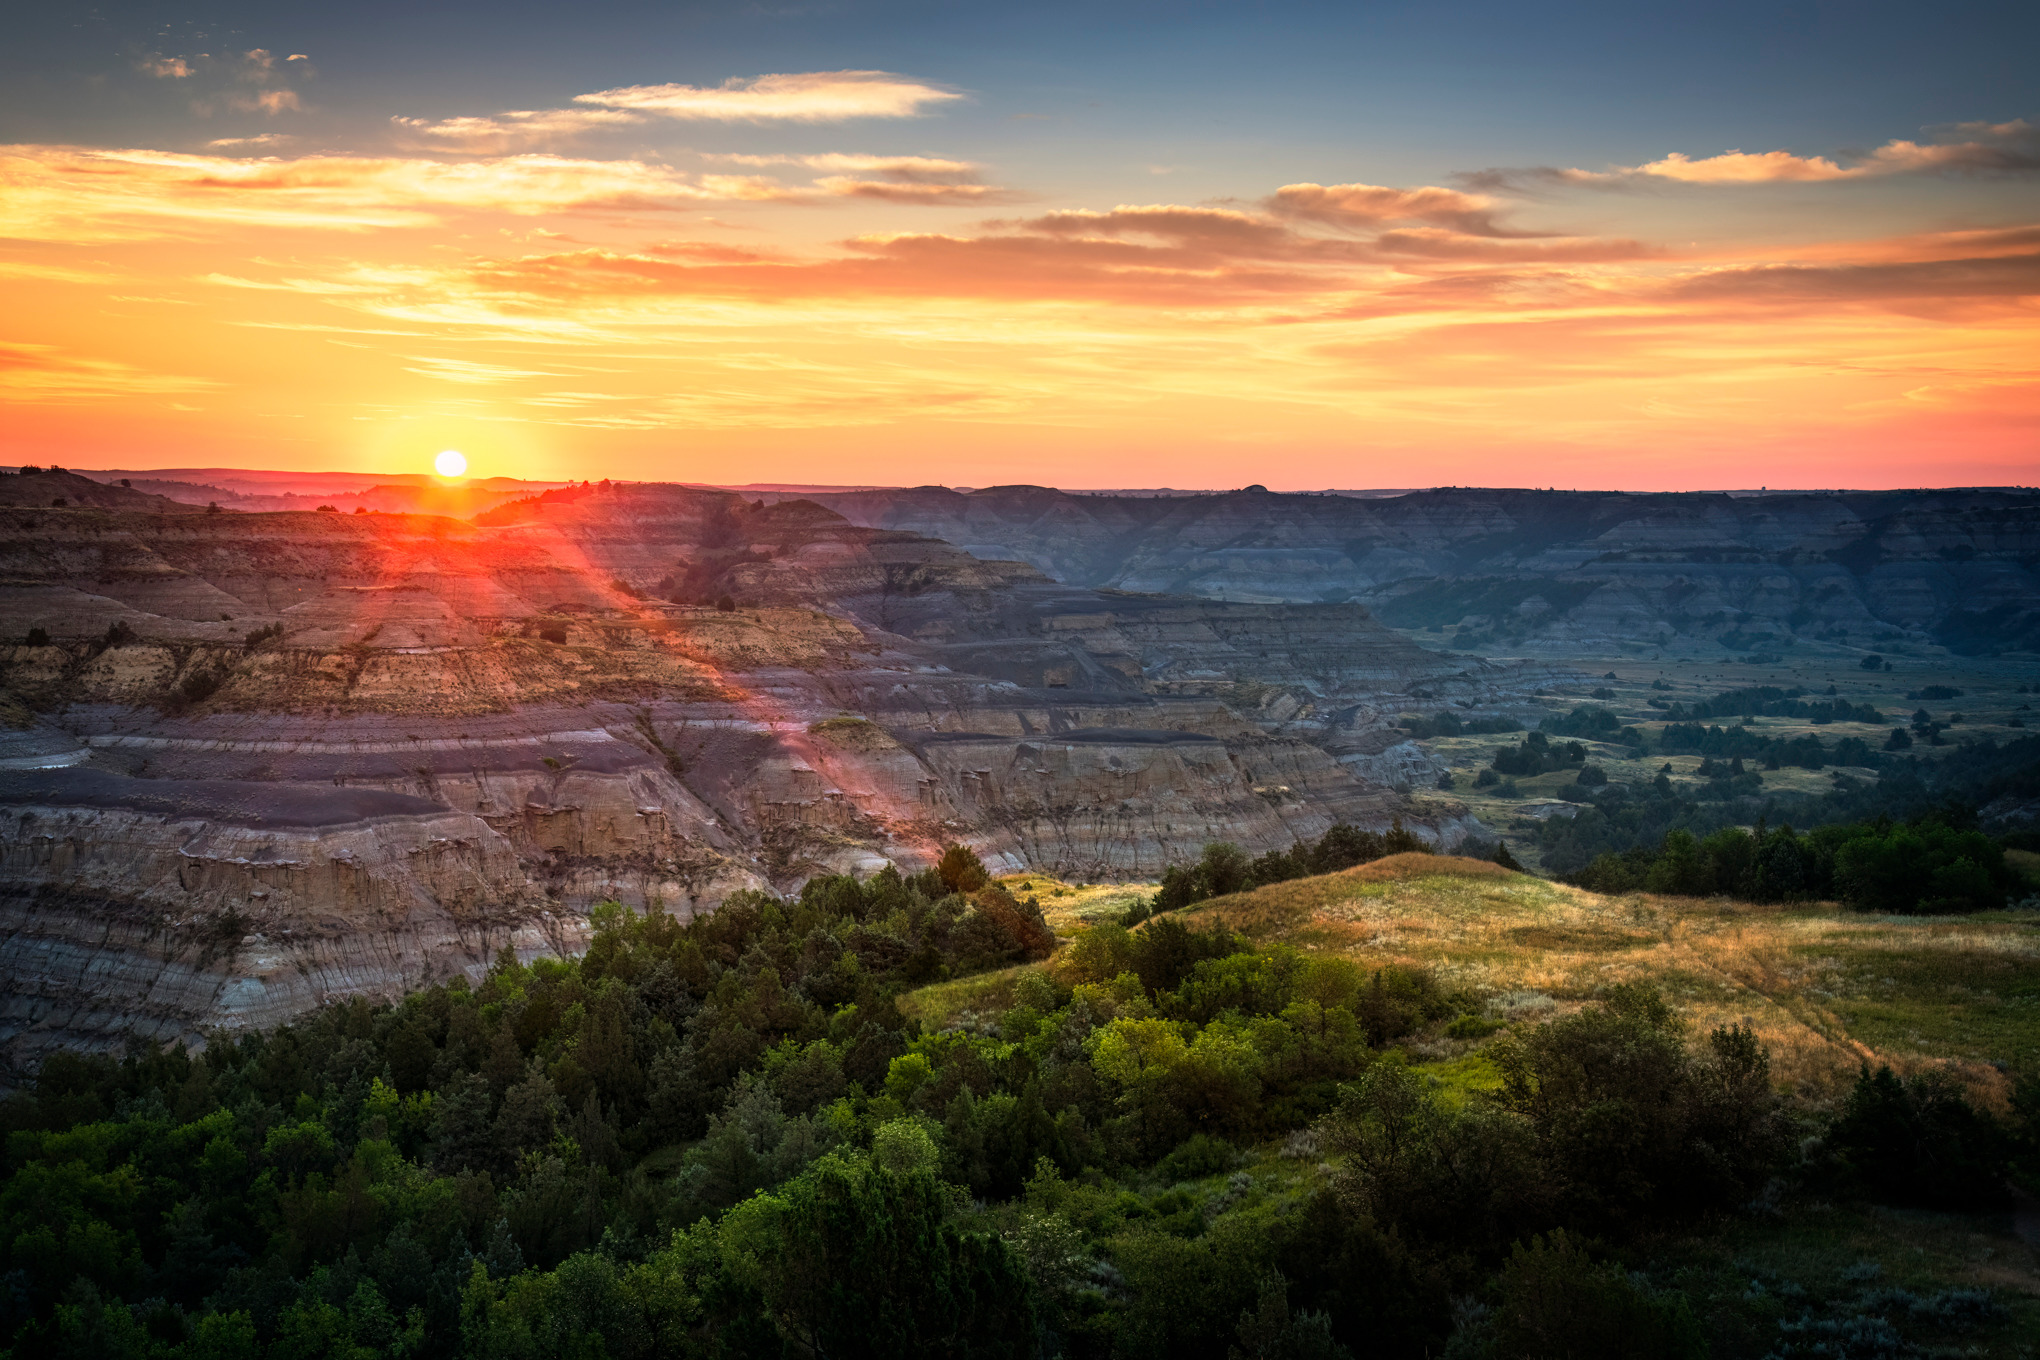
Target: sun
[451,463]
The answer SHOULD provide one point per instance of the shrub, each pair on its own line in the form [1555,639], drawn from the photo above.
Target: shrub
[1555,1301]
[1538,755]
[1198,1156]
[961,870]
[1397,1001]
[1927,867]
[1918,1141]
[37,637]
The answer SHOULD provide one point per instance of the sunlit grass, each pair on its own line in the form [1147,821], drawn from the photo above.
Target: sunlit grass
[982,996]
[1070,907]
[1826,989]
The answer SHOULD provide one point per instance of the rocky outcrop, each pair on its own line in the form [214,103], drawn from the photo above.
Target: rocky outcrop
[212,903]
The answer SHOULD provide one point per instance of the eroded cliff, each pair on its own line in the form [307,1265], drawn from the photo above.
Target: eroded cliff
[260,760]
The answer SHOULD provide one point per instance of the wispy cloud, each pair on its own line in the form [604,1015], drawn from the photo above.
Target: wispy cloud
[915,180]
[44,373]
[894,191]
[266,101]
[907,169]
[1373,205]
[79,194]
[50,273]
[247,82]
[804,97]
[516,128]
[467,371]
[1976,147]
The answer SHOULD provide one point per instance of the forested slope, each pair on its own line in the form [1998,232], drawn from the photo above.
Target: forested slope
[722,1138]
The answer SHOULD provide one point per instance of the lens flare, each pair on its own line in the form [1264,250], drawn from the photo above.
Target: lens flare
[451,463]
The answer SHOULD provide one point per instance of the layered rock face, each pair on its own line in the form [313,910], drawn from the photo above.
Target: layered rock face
[1560,572]
[260,760]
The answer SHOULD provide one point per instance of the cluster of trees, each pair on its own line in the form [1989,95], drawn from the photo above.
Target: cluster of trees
[1769,701]
[1593,723]
[1804,752]
[1690,738]
[1620,818]
[721,1139]
[508,1122]
[1446,723]
[1225,868]
[1538,754]
[1924,866]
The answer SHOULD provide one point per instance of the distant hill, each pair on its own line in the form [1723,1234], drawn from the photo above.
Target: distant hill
[1695,574]
[58,489]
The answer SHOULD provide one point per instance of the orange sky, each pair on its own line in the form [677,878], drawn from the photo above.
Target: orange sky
[559,307]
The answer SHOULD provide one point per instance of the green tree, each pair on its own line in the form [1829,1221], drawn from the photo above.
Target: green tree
[853,1261]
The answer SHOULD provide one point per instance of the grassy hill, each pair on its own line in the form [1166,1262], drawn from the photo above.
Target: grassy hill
[1825,988]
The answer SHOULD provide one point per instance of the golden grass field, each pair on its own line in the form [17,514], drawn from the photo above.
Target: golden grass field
[1825,988]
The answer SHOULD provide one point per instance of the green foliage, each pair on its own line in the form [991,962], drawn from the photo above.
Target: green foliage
[961,870]
[1607,1123]
[1593,723]
[1554,1300]
[1770,701]
[1917,1141]
[718,1138]
[1538,755]
[1446,723]
[1805,752]
[1225,868]
[854,1259]
[1925,867]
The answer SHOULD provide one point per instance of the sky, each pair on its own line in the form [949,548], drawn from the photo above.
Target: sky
[1087,245]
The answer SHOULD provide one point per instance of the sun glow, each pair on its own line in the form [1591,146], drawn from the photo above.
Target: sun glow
[451,463]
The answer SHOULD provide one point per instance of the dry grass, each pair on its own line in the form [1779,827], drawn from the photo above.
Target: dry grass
[1071,907]
[1824,988]
[982,997]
